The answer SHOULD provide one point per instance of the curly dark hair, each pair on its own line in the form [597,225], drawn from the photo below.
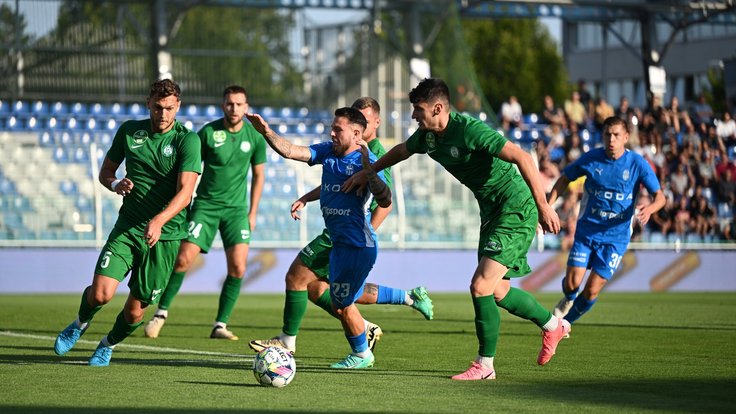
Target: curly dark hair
[430,90]
[163,88]
[353,115]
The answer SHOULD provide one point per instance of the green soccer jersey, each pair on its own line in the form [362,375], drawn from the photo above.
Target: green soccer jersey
[153,162]
[377,149]
[227,159]
[468,150]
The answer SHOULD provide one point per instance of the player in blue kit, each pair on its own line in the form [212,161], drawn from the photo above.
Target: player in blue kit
[613,177]
[354,249]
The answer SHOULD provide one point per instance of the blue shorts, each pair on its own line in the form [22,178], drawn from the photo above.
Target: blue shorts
[349,268]
[602,258]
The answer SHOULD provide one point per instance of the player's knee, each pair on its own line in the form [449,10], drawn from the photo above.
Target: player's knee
[99,297]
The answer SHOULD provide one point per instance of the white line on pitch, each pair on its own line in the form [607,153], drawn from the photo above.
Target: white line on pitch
[132,346]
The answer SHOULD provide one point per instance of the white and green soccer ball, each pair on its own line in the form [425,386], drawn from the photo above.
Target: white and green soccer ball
[274,366]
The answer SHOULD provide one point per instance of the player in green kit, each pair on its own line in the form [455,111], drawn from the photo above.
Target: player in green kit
[230,148]
[510,207]
[307,276]
[162,162]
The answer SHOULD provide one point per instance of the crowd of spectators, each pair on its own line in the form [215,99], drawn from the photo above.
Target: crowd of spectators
[691,149]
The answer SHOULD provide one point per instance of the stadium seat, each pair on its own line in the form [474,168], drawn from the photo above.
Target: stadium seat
[78,108]
[136,110]
[21,108]
[212,112]
[59,108]
[40,108]
[4,107]
[68,187]
[97,109]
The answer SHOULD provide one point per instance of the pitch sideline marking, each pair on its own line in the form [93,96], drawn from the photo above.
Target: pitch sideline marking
[132,346]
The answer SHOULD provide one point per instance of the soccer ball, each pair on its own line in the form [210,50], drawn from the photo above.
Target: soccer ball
[274,366]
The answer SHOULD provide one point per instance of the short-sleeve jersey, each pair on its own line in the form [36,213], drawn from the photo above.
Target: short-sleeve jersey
[345,214]
[227,159]
[610,192]
[378,150]
[153,162]
[468,150]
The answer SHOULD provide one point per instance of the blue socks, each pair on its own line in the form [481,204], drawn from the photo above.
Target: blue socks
[579,307]
[390,295]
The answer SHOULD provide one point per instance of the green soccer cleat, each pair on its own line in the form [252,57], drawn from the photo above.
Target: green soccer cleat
[422,302]
[355,362]
[101,357]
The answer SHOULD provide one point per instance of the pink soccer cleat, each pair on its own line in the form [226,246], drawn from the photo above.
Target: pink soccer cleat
[476,372]
[550,339]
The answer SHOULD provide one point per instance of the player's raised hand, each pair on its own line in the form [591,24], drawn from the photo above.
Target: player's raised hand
[548,219]
[296,207]
[258,123]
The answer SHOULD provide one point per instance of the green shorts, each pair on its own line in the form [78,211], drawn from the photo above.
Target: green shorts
[150,268]
[316,255]
[205,221]
[505,236]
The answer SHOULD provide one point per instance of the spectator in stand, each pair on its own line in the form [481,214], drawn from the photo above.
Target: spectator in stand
[723,164]
[702,215]
[511,115]
[682,179]
[726,129]
[585,97]
[702,113]
[575,110]
[568,213]
[691,139]
[726,188]
[661,221]
[552,114]
[673,114]
[574,147]
[603,110]
[682,217]
[624,110]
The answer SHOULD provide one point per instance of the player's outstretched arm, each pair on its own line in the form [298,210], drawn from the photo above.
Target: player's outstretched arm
[358,180]
[547,216]
[283,147]
[380,190]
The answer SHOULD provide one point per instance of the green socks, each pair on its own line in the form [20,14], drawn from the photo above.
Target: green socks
[487,324]
[87,311]
[175,282]
[228,297]
[295,306]
[325,302]
[520,303]
[121,329]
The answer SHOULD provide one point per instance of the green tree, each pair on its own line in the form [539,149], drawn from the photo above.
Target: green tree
[516,57]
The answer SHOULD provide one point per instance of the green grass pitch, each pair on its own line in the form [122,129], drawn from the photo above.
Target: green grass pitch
[634,352]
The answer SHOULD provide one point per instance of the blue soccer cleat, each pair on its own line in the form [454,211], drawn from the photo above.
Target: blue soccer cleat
[67,338]
[354,362]
[101,357]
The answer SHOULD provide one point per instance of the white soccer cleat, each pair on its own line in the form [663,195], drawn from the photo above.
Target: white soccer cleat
[219,332]
[259,345]
[562,307]
[373,334]
[153,327]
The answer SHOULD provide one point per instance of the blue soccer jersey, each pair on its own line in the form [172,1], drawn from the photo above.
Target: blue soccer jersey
[610,193]
[345,214]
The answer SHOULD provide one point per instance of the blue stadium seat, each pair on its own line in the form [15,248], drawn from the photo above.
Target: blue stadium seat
[40,108]
[68,187]
[79,108]
[7,187]
[59,108]
[211,112]
[117,110]
[21,108]
[81,155]
[14,123]
[97,109]
[61,155]
[531,118]
[136,110]
[4,107]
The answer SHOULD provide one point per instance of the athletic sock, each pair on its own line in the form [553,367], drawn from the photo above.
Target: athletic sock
[295,306]
[325,302]
[569,295]
[358,344]
[390,295]
[520,303]
[486,362]
[579,307]
[164,313]
[487,324]
[121,329]
[86,311]
[288,340]
[172,289]
[228,297]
